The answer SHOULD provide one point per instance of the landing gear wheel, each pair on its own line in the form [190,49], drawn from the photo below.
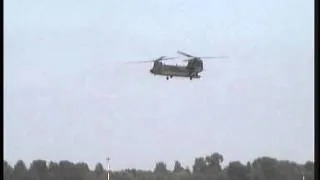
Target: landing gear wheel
[190,77]
[167,77]
[171,77]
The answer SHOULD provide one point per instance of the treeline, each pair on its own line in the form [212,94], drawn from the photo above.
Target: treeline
[204,168]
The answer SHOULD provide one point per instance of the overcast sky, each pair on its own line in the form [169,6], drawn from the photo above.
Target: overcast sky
[70,96]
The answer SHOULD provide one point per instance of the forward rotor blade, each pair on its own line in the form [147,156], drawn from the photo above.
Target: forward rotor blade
[212,57]
[139,62]
[162,58]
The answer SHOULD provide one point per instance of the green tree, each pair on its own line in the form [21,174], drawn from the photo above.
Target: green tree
[208,168]
[177,167]
[81,170]
[214,163]
[54,171]
[309,166]
[287,170]
[39,169]
[308,170]
[199,165]
[187,169]
[237,171]
[248,165]
[20,171]
[7,171]
[161,167]
[99,169]
[265,169]
[66,169]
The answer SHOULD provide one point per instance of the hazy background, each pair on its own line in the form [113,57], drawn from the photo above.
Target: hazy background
[70,96]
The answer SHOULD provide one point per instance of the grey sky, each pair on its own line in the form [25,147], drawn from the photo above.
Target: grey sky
[69,95]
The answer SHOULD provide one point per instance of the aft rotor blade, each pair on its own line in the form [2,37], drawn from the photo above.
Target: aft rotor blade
[211,57]
[184,54]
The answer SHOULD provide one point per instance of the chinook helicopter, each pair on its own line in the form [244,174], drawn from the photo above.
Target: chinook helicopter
[191,70]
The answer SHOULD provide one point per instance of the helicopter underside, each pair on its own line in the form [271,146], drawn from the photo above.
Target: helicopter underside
[176,71]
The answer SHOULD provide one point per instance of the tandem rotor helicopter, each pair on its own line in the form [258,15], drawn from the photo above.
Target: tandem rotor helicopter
[191,70]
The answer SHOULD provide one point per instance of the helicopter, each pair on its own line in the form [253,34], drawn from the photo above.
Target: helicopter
[191,70]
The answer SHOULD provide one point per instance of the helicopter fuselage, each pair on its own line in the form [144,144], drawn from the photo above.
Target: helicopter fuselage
[191,70]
